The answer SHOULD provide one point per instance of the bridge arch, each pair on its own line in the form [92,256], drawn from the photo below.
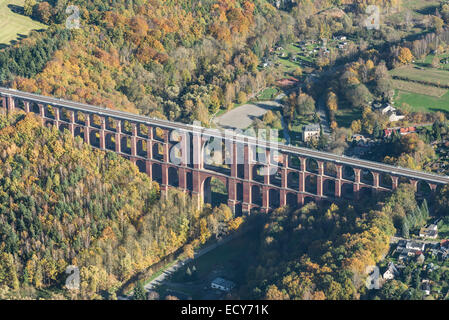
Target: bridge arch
[256,195]
[348,173]
[258,172]
[311,184]
[385,181]
[156,172]
[141,165]
[329,187]
[125,144]
[142,147]
[274,198]
[330,169]
[423,188]
[239,191]
[366,177]
[347,191]
[158,151]
[276,177]
[293,180]
[173,177]
[294,162]
[109,139]
[215,190]
[312,165]
[292,200]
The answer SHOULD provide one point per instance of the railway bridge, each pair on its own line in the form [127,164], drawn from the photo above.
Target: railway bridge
[253,172]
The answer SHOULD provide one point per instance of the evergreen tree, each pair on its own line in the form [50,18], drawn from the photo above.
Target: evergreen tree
[405,229]
[139,291]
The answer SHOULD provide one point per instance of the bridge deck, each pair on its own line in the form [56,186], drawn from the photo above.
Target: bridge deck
[238,138]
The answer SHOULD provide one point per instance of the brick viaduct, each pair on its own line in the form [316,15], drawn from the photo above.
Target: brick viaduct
[173,154]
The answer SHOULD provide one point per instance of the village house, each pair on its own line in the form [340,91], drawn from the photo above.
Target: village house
[222,284]
[310,131]
[391,112]
[391,272]
[430,232]
[402,131]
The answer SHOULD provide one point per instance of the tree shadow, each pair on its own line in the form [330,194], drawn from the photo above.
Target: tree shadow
[16,9]
[446,112]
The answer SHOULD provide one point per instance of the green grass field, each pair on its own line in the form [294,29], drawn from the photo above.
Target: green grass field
[415,73]
[422,97]
[421,102]
[13,25]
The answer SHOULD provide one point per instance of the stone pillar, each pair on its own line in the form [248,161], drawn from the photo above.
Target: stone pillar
[338,181]
[394,182]
[87,128]
[319,179]
[376,177]
[302,175]
[433,187]
[11,104]
[42,113]
[414,183]
[118,136]
[197,193]
[165,160]
[265,198]
[4,103]
[57,117]
[284,173]
[234,164]
[232,194]
[300,199]
[103,133]
[71,122]
[26,106]
[247,197]
[134,140]
[319,186]
[149,169]
[356,182]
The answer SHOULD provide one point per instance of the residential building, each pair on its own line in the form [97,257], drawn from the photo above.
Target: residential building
[391,272]
[430,232]
[310,131]
[222,284]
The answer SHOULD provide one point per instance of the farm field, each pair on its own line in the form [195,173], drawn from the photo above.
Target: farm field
[13,25]
[429,75]
[421,102]
[418,88]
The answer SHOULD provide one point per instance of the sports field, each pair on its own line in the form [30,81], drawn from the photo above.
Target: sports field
[14,25]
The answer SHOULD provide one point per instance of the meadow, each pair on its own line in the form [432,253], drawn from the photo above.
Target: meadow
[13,25]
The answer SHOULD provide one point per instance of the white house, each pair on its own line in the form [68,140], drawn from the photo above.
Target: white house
[310,131]
[222,284]
[391,272]
[429,232]
[391,112]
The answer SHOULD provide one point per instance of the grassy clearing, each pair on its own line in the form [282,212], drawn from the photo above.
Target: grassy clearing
[268,94]
[418,88]
[421,102]
[415,73]
[14,26]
